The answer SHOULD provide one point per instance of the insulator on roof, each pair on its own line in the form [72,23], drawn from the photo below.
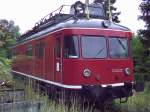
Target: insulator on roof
[99,1]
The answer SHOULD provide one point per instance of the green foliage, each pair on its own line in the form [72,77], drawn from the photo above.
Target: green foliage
[137,54]
[145,33]
[141,62]
[5,69]
[8,34]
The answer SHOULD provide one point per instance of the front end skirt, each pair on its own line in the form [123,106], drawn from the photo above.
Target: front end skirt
[109,93]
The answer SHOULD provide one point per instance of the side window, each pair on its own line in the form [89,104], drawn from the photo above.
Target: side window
[39,50]
[29,51]
[58,48]
[71,49]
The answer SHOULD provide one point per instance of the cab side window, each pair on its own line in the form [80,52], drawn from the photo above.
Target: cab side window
[71,49]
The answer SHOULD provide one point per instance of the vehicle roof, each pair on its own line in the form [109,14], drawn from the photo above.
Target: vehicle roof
[76,23]
[91,23]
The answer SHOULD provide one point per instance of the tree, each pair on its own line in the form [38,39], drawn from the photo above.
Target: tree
[8,34]
[141,62]
[145,33]
[144,36]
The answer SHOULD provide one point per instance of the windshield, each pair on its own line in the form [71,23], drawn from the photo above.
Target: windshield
[118,47]
[71,49]
[93,47]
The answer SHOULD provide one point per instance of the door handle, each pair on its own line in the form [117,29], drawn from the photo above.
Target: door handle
[57,66]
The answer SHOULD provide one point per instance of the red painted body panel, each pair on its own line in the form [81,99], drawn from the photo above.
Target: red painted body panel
[104,71]
[49,58]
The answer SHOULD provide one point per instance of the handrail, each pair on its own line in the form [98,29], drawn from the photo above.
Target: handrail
[50,15]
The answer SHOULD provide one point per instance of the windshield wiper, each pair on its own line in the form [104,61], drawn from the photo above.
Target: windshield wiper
[99,52]
[121,44]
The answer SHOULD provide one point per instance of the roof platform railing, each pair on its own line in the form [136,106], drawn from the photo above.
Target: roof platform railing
[53,18]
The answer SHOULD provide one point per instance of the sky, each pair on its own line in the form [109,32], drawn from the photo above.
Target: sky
[25,13]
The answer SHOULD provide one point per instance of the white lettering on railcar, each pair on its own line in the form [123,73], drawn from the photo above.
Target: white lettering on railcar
[117,70]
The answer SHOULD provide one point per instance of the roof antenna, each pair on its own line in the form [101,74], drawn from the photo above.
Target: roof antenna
[87,9]
[109,10]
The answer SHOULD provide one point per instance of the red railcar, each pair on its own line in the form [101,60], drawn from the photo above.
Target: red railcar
[73,52]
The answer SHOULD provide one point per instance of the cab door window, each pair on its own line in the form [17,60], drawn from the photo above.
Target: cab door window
[71,49]
[58,48]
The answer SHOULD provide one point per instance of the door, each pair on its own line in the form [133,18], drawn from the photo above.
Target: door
[58,60]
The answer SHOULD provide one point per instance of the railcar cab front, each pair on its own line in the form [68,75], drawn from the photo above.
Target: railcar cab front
[97,58]
[91,56]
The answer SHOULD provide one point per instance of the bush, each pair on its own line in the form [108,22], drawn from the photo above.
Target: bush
[5,69]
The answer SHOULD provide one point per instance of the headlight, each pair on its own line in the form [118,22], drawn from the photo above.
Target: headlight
[87,72]
[127,71]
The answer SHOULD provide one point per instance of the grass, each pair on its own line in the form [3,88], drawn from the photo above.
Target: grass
[52,105]
[59,105]
[74,106]
[139,102]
